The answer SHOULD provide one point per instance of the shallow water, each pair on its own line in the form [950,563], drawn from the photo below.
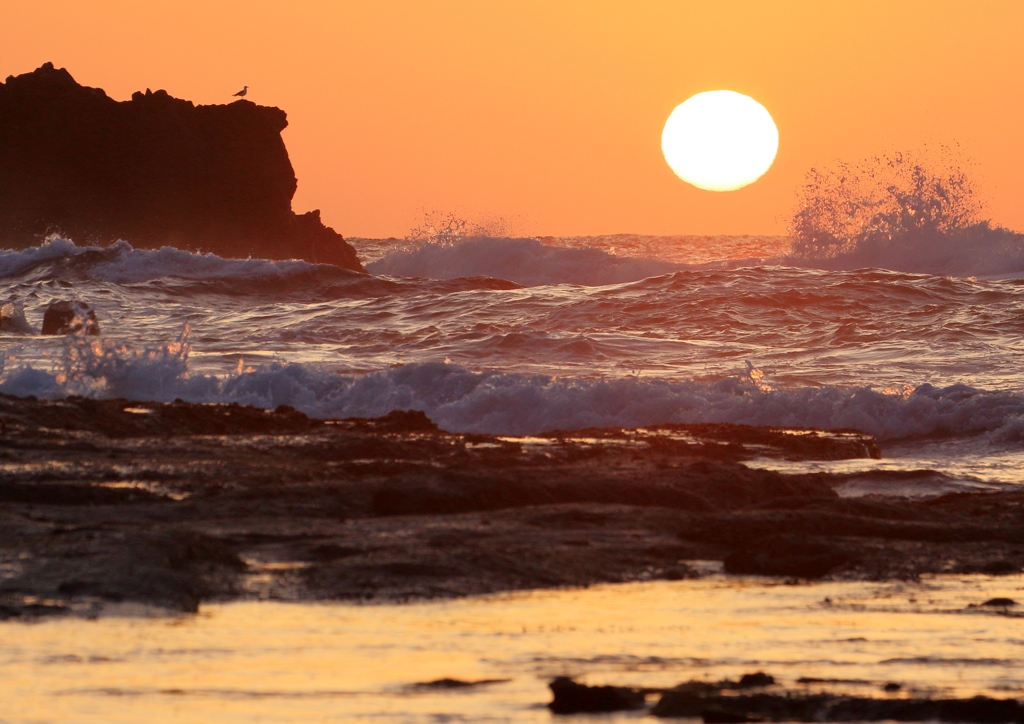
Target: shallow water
[273,662]
[919,468]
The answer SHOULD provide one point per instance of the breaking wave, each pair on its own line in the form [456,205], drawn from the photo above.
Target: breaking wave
[904,212]
[120,263]
[523,261]
[461,400]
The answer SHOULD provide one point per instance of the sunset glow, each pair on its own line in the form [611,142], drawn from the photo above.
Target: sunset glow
[551,113]
[406,362]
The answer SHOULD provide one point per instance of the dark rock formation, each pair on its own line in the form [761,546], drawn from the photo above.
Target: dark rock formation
[786,555]
[112,500]
[154,171]
[12,319]
[571,697]
[755,680]
[692,700]
[1000,602]
[448,684]
[66,317]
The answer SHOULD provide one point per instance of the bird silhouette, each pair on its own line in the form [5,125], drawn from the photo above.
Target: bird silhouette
[241,93]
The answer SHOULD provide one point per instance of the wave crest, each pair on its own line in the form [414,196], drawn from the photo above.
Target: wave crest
[120,263]
[900,212]
[523,261]
[461,400]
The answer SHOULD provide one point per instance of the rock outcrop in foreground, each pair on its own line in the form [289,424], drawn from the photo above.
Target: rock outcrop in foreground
[173,504]
[155,171]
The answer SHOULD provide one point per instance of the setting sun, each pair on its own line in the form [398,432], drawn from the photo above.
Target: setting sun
[720,140]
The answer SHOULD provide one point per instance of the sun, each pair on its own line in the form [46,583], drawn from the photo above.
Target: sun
[720,140]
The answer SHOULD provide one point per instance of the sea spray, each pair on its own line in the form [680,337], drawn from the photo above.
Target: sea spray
[902,211]
[524,261]
[461,400]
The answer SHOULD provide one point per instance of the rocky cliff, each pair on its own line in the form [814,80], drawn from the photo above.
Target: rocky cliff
[155,170]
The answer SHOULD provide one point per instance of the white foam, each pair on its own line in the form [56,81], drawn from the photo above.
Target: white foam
[524,261]
[458,399]
[120,263]
[16,261]
[139,265]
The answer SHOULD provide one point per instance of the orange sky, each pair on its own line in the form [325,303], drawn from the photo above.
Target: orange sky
[550,113]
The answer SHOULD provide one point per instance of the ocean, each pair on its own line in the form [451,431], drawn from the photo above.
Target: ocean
[517,336]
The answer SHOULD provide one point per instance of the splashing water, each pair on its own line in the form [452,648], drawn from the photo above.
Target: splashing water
[662,339]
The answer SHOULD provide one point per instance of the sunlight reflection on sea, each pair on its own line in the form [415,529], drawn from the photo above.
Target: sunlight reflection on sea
[273,662]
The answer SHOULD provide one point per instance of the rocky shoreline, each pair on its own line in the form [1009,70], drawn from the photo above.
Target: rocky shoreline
[170,505]
[757,697]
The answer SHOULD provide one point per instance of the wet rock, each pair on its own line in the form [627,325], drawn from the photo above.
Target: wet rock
[751,681]
[66,317]
[689,701]
[1000,602]
[447,684]
[1000,568]
[727,441]
[319,497]
[796,556]
[406,421]
[172,570]
[186,549]
[71,494]
[12,319]
[571,697]
[892,687]
[332,552]
[718,715]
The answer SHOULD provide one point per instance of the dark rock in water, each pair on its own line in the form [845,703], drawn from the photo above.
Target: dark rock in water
[406,421]
[892,687]
[797,556]
[1000,568]
[12,319]
[7,612]
[688,700]
[574,698]
[1000,602]
[717,715]
[454,684]
[66,317]
[154,171]
[750,681]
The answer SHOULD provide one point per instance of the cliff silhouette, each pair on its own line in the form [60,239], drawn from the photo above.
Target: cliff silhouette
[154,171]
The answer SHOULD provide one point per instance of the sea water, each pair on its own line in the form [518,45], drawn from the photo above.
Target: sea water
[274,662]
[517,336]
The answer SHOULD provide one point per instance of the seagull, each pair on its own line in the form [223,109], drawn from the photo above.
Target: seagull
[241,93]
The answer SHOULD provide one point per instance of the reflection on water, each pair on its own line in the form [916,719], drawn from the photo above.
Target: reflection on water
[269,662]
[919,468]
